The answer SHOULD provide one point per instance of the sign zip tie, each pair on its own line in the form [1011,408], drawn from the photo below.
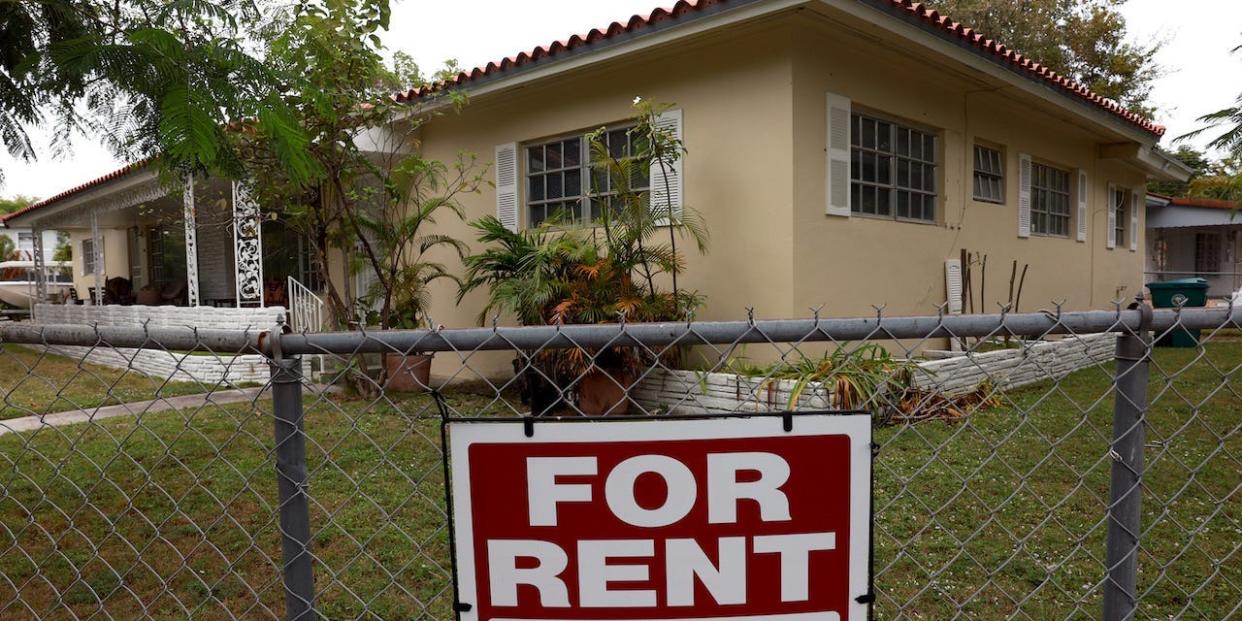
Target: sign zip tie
[866,598]
[462,607]
[787,420]
[528,426]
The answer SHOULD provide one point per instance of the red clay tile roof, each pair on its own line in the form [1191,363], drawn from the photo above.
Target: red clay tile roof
[636,23]
[116,174]
[912,10]
[1210,203]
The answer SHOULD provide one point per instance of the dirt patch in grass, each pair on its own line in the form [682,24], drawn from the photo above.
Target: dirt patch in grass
[173,515]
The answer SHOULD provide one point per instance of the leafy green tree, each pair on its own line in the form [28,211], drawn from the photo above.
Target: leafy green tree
[1086,40]
[151,78]
[15,203]
[369,195]
[1194,159]
[64,249]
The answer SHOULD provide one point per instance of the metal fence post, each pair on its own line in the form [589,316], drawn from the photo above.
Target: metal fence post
[291,478]
[1125,494]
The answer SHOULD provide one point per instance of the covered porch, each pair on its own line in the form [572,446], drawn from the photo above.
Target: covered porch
[1195,238]
[136,243]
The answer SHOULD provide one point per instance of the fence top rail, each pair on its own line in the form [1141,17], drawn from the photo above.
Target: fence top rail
[879,327]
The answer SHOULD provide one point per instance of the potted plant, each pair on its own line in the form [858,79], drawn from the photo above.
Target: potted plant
[599,272]
[396,248]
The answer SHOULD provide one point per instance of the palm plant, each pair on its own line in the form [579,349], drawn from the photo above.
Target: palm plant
[395,244]
[565,273]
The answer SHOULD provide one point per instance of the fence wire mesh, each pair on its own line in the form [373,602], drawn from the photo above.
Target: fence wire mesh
[151,474]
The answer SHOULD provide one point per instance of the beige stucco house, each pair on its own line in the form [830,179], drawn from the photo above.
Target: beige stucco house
[843,154]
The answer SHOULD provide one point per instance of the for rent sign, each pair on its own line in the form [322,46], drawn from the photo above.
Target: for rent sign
[677,519]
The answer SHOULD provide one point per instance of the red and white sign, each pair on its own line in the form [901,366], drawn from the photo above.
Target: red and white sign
[688,520]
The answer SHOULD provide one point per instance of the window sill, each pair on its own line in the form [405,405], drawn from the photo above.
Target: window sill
[595,225]
[1051,236]
[879,218]
[987,200]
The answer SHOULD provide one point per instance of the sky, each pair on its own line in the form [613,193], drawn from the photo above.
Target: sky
[1200,75]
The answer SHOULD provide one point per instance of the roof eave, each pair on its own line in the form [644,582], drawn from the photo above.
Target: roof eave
[884,14]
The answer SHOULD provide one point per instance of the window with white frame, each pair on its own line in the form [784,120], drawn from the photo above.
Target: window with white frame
[25,242]
[893,170]
[1120,200]
[88,256]
[1207,253]
[563,186]
[989,175]
[1050,200]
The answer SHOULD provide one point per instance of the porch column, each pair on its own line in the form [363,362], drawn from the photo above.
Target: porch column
[247,247]
[191,243]
[97,250]
[39,268]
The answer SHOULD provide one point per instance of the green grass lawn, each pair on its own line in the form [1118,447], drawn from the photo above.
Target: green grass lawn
[173,516]
[34,383]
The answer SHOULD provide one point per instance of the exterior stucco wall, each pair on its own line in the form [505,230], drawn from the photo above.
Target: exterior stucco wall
[115,255]
[753,103]
[733,90]
[850,264]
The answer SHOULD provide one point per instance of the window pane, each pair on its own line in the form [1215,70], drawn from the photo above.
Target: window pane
[855,164]
[869,166]
[855,130]
[535,191]
[535,159]
[573,182]
[884,201]
[537,215]
[573,152]
[885,170]
[554,187]
[617,143]
[855,197]
[599,181]
[884,137]
[552,156]
[868,132]
[868,199]
[903,204]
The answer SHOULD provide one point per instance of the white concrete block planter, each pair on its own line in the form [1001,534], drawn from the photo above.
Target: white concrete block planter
[205,368]
[691,392]
[210,370]
[1013,368]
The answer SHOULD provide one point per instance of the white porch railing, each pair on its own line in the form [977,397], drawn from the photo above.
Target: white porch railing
[306,310]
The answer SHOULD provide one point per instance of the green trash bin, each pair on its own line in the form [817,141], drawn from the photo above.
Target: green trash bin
[1185,293]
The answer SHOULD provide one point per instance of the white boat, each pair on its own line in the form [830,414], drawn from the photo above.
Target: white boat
[20,291]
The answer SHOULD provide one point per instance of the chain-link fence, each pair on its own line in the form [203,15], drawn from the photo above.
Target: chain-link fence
[1035,466]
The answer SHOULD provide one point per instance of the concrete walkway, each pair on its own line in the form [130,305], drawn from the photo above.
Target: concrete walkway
[73,417]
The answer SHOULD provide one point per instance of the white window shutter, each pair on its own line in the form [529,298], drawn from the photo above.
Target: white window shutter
[667,183]
[953,285]
[1110,236]
[507,185]
[1024,195]
[837,174]
[1138,197]
[1083,189]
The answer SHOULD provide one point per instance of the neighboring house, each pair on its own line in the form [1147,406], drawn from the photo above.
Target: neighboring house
[1190,237]
[839,151]
[24,241]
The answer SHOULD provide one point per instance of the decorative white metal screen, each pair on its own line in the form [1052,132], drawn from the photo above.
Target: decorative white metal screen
[247,247]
